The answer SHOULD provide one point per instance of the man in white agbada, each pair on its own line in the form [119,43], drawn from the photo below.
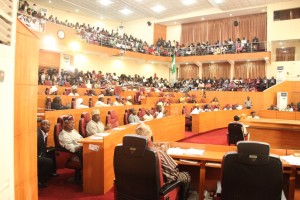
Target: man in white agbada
[95,125]
[79,104]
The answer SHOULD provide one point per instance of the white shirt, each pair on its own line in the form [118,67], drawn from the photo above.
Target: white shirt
[196,111]
[255,117]
[147,117]
[159,115]
[92,127]
[117,104]
[72,94]
[69,140]
[100,104]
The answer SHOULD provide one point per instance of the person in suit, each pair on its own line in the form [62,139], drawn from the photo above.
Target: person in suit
[46,159]
[57,105]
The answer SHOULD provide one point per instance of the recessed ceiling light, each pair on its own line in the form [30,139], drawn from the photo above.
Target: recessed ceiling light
[105,2]
[188,2]
[158,8]
[218,1]
[77,10]
[126,11]
[50,1]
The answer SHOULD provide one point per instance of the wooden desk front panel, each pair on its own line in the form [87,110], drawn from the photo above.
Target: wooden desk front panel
[165,129]
[206,121]
[278,133]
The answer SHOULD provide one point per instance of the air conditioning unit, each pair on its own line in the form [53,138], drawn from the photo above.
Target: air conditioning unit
[282,100]
[44,12]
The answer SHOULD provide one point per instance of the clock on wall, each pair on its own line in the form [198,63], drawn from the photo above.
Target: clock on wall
[61,34]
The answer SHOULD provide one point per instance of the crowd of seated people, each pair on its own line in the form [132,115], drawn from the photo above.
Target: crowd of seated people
[95,35]
[94,80]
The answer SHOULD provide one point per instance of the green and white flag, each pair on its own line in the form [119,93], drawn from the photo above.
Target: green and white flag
[173,64]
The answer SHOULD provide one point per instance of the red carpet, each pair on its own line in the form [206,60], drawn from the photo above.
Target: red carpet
[61,187]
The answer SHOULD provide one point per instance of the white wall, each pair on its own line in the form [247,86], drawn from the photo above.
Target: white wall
[120,66]
[140,29]
[291,69]
[282,30]
[173,33]
[7,60]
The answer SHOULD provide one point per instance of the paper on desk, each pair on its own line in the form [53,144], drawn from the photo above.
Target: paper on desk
[179,151]
[102,134]
[192,151]
[118,128]
[291,159]
[175,151]
[96,137]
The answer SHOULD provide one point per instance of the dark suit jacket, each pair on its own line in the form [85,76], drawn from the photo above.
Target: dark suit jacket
[42,151]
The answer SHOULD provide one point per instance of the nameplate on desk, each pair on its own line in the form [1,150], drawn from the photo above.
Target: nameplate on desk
[93,147]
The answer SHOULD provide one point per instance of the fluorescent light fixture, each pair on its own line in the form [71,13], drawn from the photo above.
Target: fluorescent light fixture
[105,2]
[126,11]
[188,2]
[158,8]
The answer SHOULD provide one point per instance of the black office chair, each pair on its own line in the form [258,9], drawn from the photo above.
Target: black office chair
[138,172]
[235,133]
[251,173]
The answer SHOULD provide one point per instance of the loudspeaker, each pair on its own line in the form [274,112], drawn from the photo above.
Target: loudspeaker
[235,23]
[149,23]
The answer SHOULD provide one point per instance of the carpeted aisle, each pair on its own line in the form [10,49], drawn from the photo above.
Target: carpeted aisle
[218,137]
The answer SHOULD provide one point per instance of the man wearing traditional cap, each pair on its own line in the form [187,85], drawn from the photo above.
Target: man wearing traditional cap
[68,137]
[133,118]
[74,91]
[53,90]
[100,102]
[117,102]
[79,104]
[95,125]
[196,110]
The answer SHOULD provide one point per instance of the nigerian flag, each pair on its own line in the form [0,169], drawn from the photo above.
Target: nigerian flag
[173,64]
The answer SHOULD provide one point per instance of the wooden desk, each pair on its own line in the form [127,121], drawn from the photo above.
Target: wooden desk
[209,165]
[98,171]
[53,115]
[206,121]
[279,133]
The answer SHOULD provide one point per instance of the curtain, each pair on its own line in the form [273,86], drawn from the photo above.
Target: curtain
[250,70]
[286,54]
[249,26]
[189,71]
[218,70]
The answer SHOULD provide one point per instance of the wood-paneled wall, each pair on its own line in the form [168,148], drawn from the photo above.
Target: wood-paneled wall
[25,105]
[160,31]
